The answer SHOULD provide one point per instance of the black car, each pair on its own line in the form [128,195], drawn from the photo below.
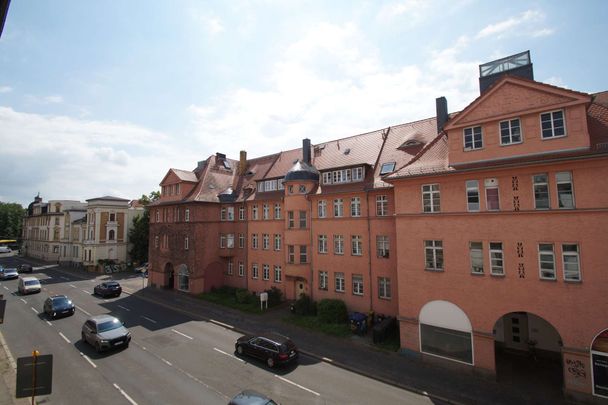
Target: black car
[273,349]
[108,289]
[251,397]
[58,305]
[25,268]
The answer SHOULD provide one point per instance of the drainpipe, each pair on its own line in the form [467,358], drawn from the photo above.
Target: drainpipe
[312,272]
[369,247]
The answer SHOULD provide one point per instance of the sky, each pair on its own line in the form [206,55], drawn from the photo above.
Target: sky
[103,98]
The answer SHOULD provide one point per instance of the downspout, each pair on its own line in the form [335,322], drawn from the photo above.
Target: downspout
[369,249]
[312,272]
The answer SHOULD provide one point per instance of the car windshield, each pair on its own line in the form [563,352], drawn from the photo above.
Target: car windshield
[32,282]
[61,301]
[108,325]
[111,285]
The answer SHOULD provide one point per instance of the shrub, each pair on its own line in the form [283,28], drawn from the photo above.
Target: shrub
[332,311]
[243,296]
[305,306]
[275,296]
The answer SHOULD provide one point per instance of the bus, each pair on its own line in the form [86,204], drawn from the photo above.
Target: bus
[10,243]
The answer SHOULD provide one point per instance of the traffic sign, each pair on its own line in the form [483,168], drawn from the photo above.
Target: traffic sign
[34,375]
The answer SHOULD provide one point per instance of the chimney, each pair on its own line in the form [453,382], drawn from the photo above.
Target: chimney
[441,105]
[306,150]
[243,162]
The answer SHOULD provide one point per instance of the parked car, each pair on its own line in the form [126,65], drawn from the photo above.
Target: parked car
[9,273]
[25,268]
[28,285]
[273,349]
[107,289]
[5,249]
[105,332]
[59,305]
[251,397]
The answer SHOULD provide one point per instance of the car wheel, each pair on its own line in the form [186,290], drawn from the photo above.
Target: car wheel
[270,362]
[239,349]
[97,347]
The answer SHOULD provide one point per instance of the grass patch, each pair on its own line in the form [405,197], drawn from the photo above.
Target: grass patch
[229,300]
[313,323]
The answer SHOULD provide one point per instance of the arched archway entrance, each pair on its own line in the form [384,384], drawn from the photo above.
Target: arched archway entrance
[183,278]
[528,354]
[168,276]
[599,364]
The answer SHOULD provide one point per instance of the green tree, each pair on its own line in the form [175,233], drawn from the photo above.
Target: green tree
[11,217]
[139,233]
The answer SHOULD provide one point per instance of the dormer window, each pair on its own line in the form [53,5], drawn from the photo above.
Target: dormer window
[226,165]
[409,143]
[552,124]
[510,132]
[344,175]
[387,167]
[473,138]
[347,151]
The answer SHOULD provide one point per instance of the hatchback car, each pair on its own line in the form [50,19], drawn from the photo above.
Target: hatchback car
[251,397]
[105,332]
[25,268]
[108,289]
[9,273]
[273,349]
[59,305]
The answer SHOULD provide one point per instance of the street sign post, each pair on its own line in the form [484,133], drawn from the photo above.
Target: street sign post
[34,375]
[2,308]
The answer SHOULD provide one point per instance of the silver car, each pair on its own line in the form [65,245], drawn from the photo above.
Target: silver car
[105,332]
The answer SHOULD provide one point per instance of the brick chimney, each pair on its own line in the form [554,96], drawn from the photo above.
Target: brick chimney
[441,105]
[243,162]
[306,150]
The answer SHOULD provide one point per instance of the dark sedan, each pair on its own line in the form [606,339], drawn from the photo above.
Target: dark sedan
[108,289]
[59,305]
[273,349]
[25,268]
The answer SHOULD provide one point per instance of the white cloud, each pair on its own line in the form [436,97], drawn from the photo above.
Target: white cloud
[5,89]
[53,99]
[525,24]
[412,9]
[211,23]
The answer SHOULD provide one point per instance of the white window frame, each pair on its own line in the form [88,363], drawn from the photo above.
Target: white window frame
[254,240]
[241,213]
[357,284]
[278,276]
[382,246]
[241,241]
[326,177]
[497,259]
[230,266]
[553,127]
[356,245]
[266,272]
[241,269]
[338,244]
[230,213]
[509,131]
[291,219]
[186,243]
[537,182]
[436,247]
[277,242]
[303,254]
[322,209]
[384,288]
[322,244]
[255,271]
[339,281]
[265,211]
[381,205]
[559,182]
[323,280]
[472,186]
[575,255]
[291,254]
[355,207]
[186,215]
[254,212]
[476,254]
[472,135]
[358,174]
[541,261]
[265,241]
[338,208]
[432,193]
[492,187]
[277,211]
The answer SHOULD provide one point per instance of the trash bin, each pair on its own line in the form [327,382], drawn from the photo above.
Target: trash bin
[358,323]
[384,329]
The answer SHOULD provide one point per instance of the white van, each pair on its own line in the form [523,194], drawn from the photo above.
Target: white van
[29,285]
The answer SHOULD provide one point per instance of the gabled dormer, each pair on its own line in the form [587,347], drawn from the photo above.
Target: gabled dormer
[518,118]
[177,184]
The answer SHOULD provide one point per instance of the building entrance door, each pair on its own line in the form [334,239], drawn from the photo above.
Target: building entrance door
[300,288]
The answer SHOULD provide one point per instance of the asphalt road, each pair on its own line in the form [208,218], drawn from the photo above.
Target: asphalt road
[172,359]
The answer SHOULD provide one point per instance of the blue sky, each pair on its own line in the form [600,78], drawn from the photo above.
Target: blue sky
[102,98]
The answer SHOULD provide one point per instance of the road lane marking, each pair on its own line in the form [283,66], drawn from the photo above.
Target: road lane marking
[82,310]
[72,285]
[24,301]
[34,309]
[64,338]
[222,324]
[179,333]
[327,359]
[50,324]
[228,354]
[167,362]
[297,385]
[124,394]
[88,292]
[5,287]
[125,308]
[89,360]
[148,319]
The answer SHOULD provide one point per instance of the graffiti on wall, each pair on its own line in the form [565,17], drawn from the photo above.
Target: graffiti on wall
[576,368]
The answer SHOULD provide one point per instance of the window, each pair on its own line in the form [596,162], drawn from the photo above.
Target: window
[302,189]
[265,241]
[112,219]
[382,247]
[546,261]
[302,219]
[431,201]
[384,287]
[496,259]
[472,195]
[339,277]
[280,184]
[356,245]
[254,212]
[230,266]
[541,191]
[570,256]
[241,240]
[223,214]
[278,276]
[241,269]
[476,255]
[433,250]
[265,211]
[381,205]
[158,216]
[260,186]
[291,223]
[510,132]
[230,241]
[357,174]
[277,242]
[303,254]
[222,241]
[344,175]
[291,254]
[552,124]
[277,211]
[338,244]
[111,234]
[230,213]
[355,207]
[254,271]
[322,280]
[387,167]
[186,243]
[327,178]
[254,240]
[241,213]
[492,197]
[322,243]
[322,209]
[472,138]
[265,272]
[270,185]
[186,215]
[156,241]
[338,208]
[565,192]
[341,176]
[357,284]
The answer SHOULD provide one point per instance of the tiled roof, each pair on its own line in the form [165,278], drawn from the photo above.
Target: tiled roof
[284,162]
[107,198]
[432,159]
[601,98]
[185,175]
[214,180]
[351,151]
[597,122]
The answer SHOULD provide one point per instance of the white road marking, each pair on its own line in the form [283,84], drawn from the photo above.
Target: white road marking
[83,310]
[24,301]
[72,285]
[34,309]
[125,308]
[64,338]
[88,292]
[297,385]
[166,362]
[48,277]
[124,394]
[89,360]
[228,354]
[50,324]
[179,333]
[5,287]
[327,359]
[148,319]
[222,324]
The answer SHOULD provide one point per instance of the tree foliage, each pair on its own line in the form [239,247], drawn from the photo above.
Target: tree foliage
[139,233]
[11,217]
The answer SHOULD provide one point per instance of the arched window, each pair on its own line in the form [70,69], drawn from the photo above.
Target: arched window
[599,364]
[111,234]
